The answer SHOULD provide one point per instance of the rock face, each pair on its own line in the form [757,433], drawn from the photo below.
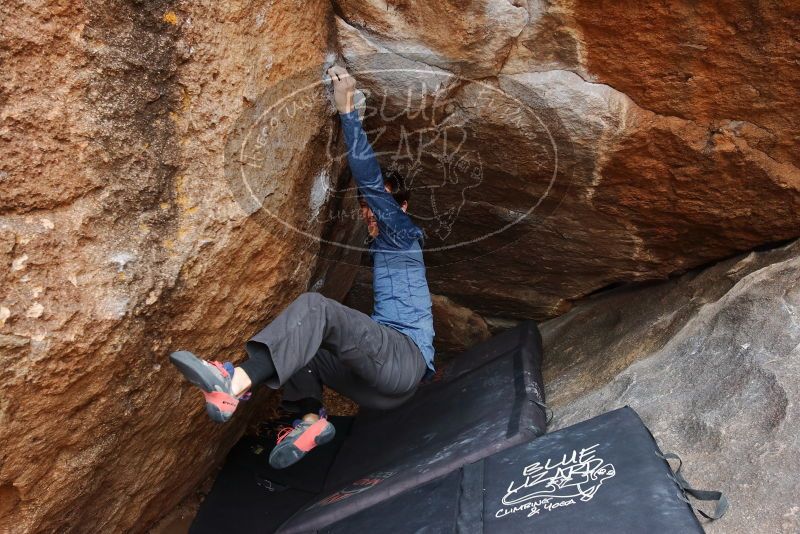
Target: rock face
[458,327]
[159,193]
[601,150]
[710,361]
[120,240]
[471,38]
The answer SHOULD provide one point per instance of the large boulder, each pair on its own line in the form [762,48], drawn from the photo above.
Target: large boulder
[577,164]
[122,238]
[710,361]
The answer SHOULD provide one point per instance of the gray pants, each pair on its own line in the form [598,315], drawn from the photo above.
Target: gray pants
[317,340]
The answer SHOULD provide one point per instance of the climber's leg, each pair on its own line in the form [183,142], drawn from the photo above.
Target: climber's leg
[215,379]
[383,359]
[396,381]
[295,442]
[302,394]
[377,366]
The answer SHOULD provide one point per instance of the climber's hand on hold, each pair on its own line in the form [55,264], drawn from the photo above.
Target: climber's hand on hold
[344,88]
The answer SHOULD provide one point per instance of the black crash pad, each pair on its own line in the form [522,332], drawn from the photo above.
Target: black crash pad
[605,475]
[487,401]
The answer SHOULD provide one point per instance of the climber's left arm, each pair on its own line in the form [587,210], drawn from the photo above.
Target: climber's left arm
[395,226]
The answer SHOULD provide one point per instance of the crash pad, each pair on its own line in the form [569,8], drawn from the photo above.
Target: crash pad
[604,475]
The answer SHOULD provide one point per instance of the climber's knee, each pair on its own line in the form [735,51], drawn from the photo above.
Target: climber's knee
[312,299]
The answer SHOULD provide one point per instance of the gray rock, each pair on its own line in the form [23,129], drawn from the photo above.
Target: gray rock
[710,361]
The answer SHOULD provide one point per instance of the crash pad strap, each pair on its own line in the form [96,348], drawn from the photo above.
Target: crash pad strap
[516,407]
[470,501]
[701,495]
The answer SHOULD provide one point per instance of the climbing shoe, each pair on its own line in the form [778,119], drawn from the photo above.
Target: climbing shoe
[295,441]
[214,379]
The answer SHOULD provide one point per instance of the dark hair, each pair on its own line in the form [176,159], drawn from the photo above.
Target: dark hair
[397,183]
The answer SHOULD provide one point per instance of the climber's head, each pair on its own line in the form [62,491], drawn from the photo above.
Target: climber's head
[395,184]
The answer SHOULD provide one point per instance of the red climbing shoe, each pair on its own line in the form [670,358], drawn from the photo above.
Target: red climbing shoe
[294,442]
[214,379]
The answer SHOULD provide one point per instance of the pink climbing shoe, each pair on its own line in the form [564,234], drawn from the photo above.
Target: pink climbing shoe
[214,379]
[297,440]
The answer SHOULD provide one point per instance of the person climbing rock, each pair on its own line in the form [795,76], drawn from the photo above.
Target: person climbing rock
[376,361]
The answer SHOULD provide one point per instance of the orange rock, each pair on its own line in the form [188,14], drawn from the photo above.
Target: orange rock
[624,187]
[458,328]
[114,126]
[469,38]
